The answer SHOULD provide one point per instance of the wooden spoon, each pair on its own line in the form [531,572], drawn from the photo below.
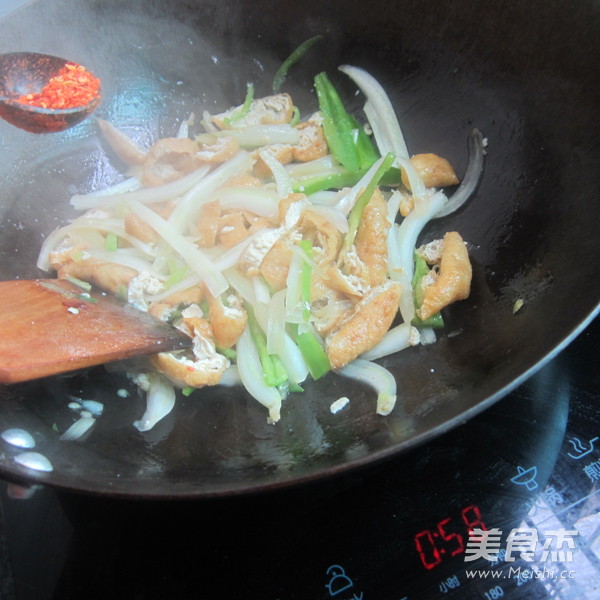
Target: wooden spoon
[27,73]
[50,326]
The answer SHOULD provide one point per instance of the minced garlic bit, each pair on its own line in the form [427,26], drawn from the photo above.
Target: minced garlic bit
[73,310]
[339,404]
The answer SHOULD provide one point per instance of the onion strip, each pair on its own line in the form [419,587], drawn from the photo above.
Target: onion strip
[191,254]
[250,371]
[151,195]
[473,173]
[377,377]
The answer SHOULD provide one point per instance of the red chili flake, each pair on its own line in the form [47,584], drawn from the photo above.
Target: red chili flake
[72,86]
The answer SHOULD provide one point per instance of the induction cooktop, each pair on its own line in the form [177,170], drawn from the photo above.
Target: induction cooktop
[505,506]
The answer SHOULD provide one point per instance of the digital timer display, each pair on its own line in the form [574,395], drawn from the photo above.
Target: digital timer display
[448,538]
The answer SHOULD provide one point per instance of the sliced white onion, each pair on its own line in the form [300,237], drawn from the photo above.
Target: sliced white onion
[122,187]
[207,122]
[382,118]
[191,254]
[377,377]
[125,259]
[472,175]
[261,290]
[260,200]
[231,377]
[160,400]
[293,291]
[78,429]
[319,167]
[412,225]
[384,124]
[417,186]
[428,336]
[186,283]
[348,200]
[396,339]
[254,136]
[276,323]
[251,374]
[333,215]
[282,179]
[325,198]
[149,195]
[293,361]
[231,256]
[241,285]
[198,194]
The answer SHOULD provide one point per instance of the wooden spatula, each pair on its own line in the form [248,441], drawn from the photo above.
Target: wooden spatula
[50,326]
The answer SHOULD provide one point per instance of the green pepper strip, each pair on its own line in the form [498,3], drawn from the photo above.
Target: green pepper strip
[346,139]
[291,60]
[311,185]
[312,351]
[229,353]
[295,116]
[421,270]
[111,241]
[84,285]
[367,154]
[273,370]
[245,108]
[177,273]
[363,199]
[305,279]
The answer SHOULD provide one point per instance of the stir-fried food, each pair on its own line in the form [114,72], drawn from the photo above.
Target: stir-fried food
[285,247]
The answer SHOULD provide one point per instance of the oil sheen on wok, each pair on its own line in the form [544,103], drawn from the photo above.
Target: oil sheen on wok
[283,244]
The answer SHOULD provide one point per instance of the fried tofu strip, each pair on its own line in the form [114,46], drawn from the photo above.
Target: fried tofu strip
[371,239]
[434,170]
[453,282]
[366,325]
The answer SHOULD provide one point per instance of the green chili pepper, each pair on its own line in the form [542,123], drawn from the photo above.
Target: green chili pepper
[312,351]
[291,60]
[363,199]
[346,139]
[346,178]
[305,279]
[422,270]
[274,372]
[111,242]
[295,116]
[244,109]
[229,353]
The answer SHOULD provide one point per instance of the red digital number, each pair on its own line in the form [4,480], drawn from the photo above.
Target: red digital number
[454,544]
[430,555]
[453,538]
[471,515]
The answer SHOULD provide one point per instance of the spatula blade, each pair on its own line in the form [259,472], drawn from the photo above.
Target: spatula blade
[50,326]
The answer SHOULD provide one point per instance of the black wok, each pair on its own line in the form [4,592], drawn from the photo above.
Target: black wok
[525,74]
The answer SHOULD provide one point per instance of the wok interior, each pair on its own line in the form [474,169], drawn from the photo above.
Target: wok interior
[522,73]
